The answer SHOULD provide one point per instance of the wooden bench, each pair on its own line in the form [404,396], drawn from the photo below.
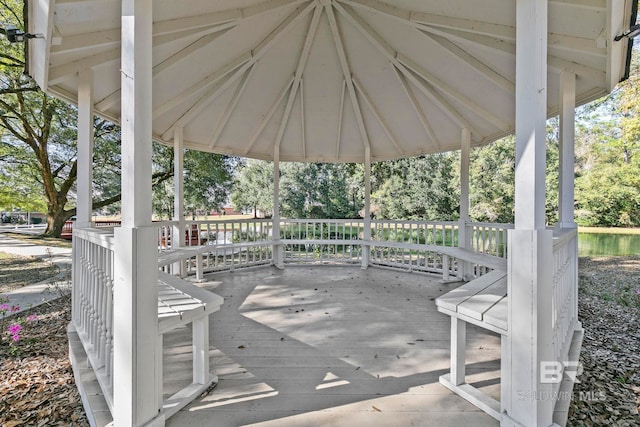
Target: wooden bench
[482,302]
[447,252]
[173,256]
[181,303]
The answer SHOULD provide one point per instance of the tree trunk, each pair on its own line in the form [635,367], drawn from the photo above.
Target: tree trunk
[56,217]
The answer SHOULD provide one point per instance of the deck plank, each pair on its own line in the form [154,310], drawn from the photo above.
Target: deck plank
[373,360]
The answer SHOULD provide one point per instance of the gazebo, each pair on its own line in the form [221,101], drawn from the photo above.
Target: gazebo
[330,81]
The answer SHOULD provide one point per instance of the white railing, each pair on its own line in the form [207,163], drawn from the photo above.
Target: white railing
[322,240]
[489,238]
[235,243]
[92,301]
[406,244]
[565,291]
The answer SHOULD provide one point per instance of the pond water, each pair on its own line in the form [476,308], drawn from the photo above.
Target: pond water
[601,244]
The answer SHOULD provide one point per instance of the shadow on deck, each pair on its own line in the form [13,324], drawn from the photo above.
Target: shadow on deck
[330,345]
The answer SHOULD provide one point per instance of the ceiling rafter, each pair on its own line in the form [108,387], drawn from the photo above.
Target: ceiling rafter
[377,115]
[267,117]
[346,72]
[207,82]
[474,62]
[62,72]
[416,108]
[188,50]
[392,56]
[498,31]
[509,48]
[256,54]
[452,93]
[213,141]
[70,69]
[302,62]
[114,97]
[302,121]
[340,118]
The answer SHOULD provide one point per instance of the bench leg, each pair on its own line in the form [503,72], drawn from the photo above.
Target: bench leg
[199,267]
[458,343]
[201,350]
[445,268]
[159,374]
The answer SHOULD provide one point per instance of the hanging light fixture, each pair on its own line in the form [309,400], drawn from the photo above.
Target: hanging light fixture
[632,32]
[16,35]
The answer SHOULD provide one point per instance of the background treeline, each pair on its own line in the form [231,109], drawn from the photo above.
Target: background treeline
[38,166]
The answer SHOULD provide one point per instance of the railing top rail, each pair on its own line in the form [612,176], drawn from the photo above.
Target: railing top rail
[562,236]
[222,220]
[99,236]
[490,224]
[413,222]
[338,220]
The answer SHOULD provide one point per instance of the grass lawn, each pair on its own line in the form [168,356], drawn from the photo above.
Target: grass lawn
[18,271]
[41,240]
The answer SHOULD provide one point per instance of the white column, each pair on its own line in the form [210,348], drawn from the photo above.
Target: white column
[136,399]
[530,246]
[367,208]
[278,250]
[85,149]
[464,235]
[177,240]
[567,154]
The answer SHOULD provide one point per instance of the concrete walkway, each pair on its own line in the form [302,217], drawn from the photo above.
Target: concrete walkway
[38,293]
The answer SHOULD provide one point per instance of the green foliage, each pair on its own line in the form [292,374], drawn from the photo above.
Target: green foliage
[418,188]
[253,187]
[492,181]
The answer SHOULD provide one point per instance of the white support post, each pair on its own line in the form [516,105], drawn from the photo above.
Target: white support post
[529,342]
[177,240]
[458,350]
[136,388]
[567,153]
[85,149]
[367,208]
[464,237]
[278,249]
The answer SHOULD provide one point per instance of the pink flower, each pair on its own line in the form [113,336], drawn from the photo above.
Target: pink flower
[15,308]
[638,291]
[4,307]
[15,337]
[15,329]
[32,318]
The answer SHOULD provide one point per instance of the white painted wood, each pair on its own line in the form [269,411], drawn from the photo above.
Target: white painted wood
[531,108]
[464,234]
[178,197]
[367,212]
[458,351]
[135,326]
[567,155]
[84,195]
[135,291]
[278,250]
[473,395]
[529,313]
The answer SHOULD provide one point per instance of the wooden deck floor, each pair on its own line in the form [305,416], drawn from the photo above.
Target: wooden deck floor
[331,346]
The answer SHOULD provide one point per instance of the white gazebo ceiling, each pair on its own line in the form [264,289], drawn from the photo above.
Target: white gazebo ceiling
[324,79]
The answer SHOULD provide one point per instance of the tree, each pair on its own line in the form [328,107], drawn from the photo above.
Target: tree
[419,188]
[253,187]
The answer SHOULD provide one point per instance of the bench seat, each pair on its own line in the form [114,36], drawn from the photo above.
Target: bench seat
[181,303]
[482,302]
[178,255]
